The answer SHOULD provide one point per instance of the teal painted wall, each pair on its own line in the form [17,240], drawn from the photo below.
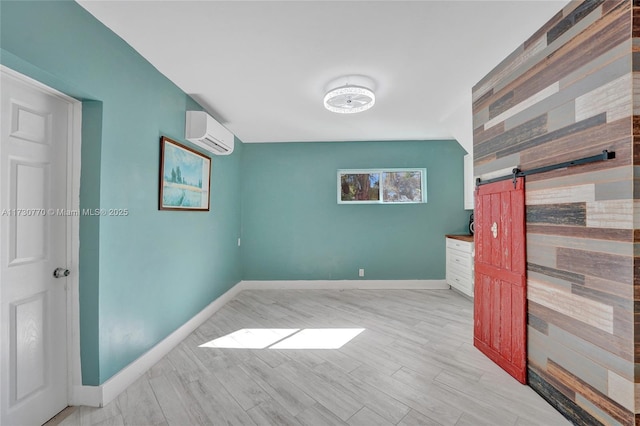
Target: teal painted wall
[294,229]
[144,275]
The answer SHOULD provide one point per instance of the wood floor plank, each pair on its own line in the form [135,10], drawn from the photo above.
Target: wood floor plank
[431,407]
[139,406]
[341,404]
[242,387]
[477,406]
[217,403]
[112,421]
[284,392]
[192,405]
[318,415]
[272,358]
[188,366]
[367,417]
[523,421]
[414,418]
[520,400]
[372,358]
[457,393]
[271,413]
[376,400]
[442,359]
[163,366]
[303,356]
[175,411]
[338,360]
[472,419]
[410,360]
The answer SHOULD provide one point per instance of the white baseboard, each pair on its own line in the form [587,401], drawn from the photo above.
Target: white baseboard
[90,396]
[99,396]
[346,285]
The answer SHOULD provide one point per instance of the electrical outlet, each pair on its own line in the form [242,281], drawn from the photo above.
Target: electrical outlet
[361,272]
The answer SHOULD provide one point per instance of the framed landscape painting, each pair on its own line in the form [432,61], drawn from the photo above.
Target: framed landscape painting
[184,177]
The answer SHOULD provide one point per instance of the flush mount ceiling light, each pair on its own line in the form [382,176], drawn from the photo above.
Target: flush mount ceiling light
[348,95]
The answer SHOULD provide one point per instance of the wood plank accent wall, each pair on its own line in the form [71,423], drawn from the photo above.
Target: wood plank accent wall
[569,91]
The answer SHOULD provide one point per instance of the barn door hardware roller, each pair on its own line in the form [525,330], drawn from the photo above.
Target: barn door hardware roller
[516,173]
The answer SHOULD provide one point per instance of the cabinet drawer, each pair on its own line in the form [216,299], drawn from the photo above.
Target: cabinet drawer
[459,258]
[459,245]
[459,270]
[464,284]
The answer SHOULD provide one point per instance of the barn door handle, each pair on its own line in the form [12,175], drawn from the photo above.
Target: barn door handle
[494,230]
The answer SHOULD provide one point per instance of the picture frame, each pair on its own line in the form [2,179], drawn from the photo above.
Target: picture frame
[185,178]
[382,186]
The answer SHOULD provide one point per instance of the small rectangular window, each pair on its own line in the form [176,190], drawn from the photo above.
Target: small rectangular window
[382,186]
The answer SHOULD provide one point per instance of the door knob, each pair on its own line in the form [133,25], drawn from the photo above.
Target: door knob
[61,273]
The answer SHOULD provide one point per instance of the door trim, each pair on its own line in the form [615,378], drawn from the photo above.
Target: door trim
[74,371]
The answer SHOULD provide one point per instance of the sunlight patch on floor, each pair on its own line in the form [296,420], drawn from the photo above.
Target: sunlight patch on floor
[250,338]
[318,338]
[285,338]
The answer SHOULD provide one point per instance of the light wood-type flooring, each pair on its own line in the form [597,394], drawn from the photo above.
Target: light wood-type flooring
[412,364]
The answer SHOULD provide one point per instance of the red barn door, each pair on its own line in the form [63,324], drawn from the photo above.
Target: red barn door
[500,304]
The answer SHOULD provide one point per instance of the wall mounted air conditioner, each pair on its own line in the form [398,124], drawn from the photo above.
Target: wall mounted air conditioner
[204,131]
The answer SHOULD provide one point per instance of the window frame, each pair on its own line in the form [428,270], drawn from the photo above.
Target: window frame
[381,171]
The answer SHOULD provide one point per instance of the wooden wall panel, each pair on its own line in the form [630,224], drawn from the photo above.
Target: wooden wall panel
[609,406]
[592,139]
[559,395]
[574,214]
[570,91]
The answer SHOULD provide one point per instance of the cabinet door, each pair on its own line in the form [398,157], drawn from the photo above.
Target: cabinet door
[459,271]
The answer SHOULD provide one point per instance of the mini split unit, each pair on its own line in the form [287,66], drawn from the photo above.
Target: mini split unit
[204,131]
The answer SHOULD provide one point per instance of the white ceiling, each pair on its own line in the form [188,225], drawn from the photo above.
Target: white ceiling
[261,67]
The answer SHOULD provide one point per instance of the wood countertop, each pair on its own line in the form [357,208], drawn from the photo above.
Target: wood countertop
[466,237]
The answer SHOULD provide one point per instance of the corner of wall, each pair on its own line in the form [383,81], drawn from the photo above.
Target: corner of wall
[90,242]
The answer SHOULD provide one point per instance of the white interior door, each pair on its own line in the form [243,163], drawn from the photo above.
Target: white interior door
[34,139]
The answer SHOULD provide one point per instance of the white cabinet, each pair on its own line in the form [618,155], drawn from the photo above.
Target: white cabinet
[469,183]
[459,272]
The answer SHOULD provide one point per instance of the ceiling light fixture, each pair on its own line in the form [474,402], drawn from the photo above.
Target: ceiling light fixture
[348,95]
